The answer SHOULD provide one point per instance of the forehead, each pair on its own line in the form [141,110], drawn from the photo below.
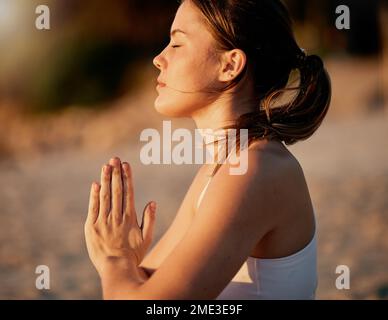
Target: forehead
[188,18]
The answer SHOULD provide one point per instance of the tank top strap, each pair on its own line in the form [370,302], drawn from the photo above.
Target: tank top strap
[203,192]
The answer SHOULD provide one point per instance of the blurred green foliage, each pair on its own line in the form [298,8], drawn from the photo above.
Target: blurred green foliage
[84,73]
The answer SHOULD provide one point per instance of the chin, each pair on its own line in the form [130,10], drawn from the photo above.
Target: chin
[170,109]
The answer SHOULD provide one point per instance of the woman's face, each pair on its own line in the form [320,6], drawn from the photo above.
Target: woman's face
[189,66]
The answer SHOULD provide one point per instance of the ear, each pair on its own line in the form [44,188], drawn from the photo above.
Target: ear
[232,64]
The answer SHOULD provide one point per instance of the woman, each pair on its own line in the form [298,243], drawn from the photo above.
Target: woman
[249,236]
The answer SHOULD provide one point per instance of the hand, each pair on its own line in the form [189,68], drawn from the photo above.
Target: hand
[111,229]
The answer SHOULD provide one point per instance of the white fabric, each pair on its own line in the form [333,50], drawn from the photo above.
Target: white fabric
[292,277]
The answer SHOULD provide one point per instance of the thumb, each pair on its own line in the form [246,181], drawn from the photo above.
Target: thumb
[148,222]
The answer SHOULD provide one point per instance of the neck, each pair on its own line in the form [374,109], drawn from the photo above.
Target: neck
[223,112]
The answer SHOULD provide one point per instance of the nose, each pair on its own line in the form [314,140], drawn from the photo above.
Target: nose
[157,62]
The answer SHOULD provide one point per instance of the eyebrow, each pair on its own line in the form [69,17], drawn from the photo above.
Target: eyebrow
[173,32]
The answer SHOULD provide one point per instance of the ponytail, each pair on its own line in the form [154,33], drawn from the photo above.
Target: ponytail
[298,119]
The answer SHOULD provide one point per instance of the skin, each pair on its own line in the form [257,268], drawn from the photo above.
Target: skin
[264,213]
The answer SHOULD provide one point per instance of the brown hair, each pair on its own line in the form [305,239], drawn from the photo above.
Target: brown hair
[263,30]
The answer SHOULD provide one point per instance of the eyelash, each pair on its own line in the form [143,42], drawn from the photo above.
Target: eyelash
[175,46]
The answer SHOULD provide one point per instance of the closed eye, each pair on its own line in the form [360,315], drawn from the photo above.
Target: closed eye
[175,46]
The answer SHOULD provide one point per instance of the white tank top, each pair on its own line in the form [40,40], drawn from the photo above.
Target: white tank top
[291,277]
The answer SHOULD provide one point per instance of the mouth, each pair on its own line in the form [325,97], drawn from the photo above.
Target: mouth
[160,84]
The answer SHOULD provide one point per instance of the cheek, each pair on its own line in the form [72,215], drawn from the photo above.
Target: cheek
[192,71]
[189,77]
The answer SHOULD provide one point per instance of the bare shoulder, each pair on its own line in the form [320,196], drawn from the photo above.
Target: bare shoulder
[273,188]
[274,154]
[269,164]
[260,190]
[288,201]
[273,164]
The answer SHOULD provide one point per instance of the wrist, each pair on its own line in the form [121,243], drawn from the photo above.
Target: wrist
[120,277]
[115,266]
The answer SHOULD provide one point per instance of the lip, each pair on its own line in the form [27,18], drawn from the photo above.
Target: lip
[160,84]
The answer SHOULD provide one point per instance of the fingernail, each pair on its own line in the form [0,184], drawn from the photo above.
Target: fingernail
[153,205]
[107,169]
[115,160]
[96,186]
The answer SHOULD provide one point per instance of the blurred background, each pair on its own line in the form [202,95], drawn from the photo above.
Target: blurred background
[73,96]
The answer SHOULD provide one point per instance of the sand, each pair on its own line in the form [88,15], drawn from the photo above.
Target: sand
[44,193]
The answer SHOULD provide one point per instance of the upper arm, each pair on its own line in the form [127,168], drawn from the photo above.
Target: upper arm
[221,237]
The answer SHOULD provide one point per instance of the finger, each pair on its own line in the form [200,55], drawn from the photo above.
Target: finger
[93,203]
[117,189]
[129,198]
[105,192]
[126,202]
[148,223]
